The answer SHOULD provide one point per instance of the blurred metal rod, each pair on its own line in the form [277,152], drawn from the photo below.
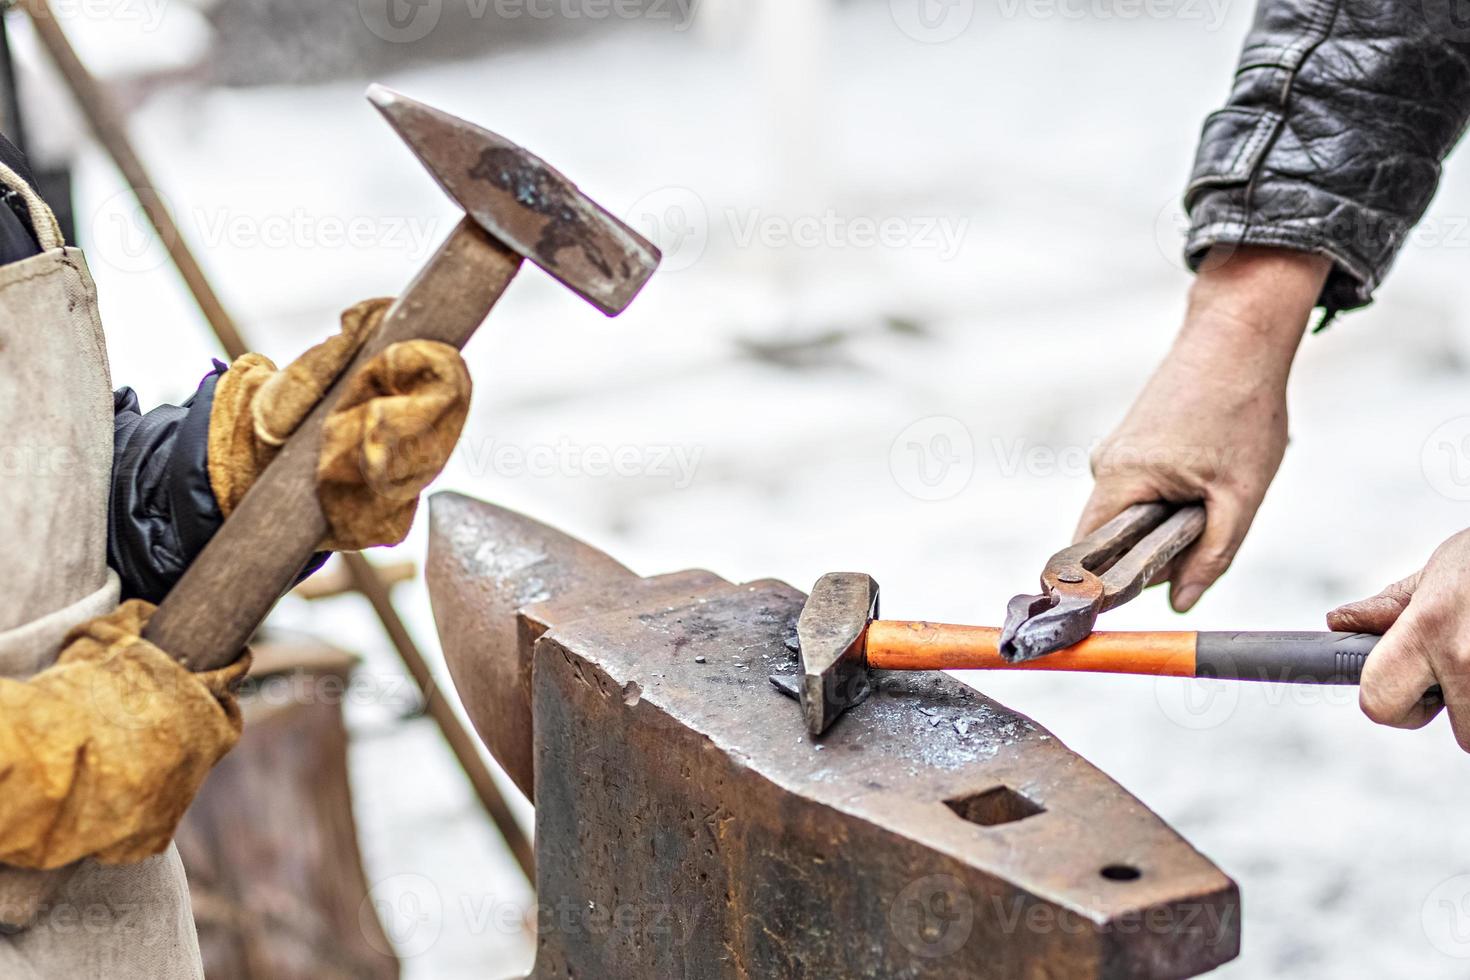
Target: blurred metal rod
[465,747]
[335,580]
[108,126]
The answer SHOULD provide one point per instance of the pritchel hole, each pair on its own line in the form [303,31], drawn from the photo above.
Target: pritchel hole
[1121,872]
[994,807]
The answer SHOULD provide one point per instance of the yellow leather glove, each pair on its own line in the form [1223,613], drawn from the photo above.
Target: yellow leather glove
[101,754]
[387,439]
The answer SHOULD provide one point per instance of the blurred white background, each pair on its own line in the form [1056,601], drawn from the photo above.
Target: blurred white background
[920,255]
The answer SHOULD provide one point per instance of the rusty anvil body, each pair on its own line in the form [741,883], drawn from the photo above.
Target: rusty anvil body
[687,826]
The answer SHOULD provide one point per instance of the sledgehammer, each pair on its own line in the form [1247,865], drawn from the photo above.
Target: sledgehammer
[842,639]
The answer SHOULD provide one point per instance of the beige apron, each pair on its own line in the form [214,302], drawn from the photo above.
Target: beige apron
[55,467]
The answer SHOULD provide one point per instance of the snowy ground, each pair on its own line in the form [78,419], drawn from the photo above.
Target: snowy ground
[801,399]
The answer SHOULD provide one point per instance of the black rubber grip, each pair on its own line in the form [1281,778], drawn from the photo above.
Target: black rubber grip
[1287,658]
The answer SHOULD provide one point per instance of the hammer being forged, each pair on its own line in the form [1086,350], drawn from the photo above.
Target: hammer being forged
[842,639]
[517,207]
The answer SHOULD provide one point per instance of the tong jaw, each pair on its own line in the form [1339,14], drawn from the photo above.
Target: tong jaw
[1103,570]
[1040,624]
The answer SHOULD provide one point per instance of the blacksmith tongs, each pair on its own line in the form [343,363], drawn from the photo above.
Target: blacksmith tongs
[1105,569]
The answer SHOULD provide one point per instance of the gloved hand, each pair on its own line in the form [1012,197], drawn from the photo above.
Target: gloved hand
[104,751]
[387,439]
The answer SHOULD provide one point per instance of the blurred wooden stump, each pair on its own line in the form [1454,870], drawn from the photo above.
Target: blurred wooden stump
[270,846]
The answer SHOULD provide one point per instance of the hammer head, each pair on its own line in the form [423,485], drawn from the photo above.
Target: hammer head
[525,204]
[832,633]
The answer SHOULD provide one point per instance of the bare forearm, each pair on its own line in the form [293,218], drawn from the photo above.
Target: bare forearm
[1248,310]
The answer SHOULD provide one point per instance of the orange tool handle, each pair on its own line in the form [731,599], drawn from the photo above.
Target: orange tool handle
[897,645]
[1298,658]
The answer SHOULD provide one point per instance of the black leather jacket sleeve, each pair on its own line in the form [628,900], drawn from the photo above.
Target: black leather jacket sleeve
[1340,117]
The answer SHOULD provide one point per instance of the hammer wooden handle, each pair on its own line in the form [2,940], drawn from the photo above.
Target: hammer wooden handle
[1303,658]
[205,621]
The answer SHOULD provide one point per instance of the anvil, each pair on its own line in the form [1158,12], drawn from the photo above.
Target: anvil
[687,826]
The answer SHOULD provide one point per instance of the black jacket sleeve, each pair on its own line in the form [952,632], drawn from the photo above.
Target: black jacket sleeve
[162,511]
[17,239]
[1333,137]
